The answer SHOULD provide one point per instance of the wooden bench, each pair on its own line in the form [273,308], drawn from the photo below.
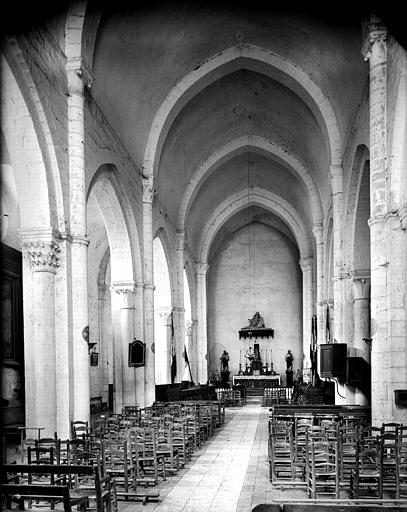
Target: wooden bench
[23,492]
[102,492]
[333,505]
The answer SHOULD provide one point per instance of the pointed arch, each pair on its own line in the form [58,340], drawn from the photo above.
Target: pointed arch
[258,197]
[250,57]
[31,145]
[237,147]
[120,223]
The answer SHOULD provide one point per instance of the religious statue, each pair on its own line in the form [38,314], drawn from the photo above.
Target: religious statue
[289,358]
[256,322]
[225,360]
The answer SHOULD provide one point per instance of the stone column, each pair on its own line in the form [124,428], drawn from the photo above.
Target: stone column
[105,344]
[361,305]
[318,234]
[149,374]
[375,50]
[179,309]
[42,253]
[202,337]
[139,333]
[193,348]
[306,265]
[337,207]
[78,230]
[125,303]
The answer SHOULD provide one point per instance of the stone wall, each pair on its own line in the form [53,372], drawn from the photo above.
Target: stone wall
[235,294]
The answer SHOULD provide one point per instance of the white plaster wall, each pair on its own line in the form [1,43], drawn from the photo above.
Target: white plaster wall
[234,295]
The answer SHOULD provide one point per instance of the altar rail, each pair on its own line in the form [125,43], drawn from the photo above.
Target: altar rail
[257,381]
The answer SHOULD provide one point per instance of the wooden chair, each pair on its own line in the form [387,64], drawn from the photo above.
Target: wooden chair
[366,476]
[388,442]
[401,468]
[119,465]
[322,472]
[148,466]
[79,429]
[347,438]
[282,464]
[22,493]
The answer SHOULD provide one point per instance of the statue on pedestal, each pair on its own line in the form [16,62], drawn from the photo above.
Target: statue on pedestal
[289,358]
[224,358]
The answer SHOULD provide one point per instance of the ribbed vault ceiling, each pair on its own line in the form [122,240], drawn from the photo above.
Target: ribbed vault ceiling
[142,54]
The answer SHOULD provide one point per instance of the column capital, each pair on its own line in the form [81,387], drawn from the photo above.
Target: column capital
[79,75]
[318,232]
[341,276]
[124,287]
[361,285]
[306,263]
[148,188]
[201,268]
[375,32]
[41,248]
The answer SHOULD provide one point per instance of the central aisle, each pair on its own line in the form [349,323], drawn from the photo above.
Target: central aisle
[214,481]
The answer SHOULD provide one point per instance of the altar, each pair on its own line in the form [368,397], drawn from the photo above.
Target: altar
[257,381]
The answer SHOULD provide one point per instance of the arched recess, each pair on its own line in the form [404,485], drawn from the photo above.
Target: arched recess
[111,186]
[254,266]
[258,197]
[361,266]
[188,342]
[359,163]
[240,146]
[164,339]
[243,56]
[329,285]
[126,313]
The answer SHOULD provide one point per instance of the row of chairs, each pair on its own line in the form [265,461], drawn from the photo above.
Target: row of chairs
[277,395]
[134,450]
[326,455]
[230,397]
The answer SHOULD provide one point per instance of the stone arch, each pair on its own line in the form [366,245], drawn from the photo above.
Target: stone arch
[120,224]
[360,160]
[162,235]
[30,145]
[163,301]
[237,57]
[237,147]
[259,197]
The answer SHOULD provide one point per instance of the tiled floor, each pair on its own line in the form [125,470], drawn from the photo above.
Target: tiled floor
[229,474]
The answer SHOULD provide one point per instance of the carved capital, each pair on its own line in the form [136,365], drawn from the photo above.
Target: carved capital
[123,288]
[375,33]
[42,255]
[202,268]
[361,285]
[148,189]
[306,263]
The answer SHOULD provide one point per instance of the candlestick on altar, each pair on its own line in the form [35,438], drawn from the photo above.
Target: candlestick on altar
[240,358]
